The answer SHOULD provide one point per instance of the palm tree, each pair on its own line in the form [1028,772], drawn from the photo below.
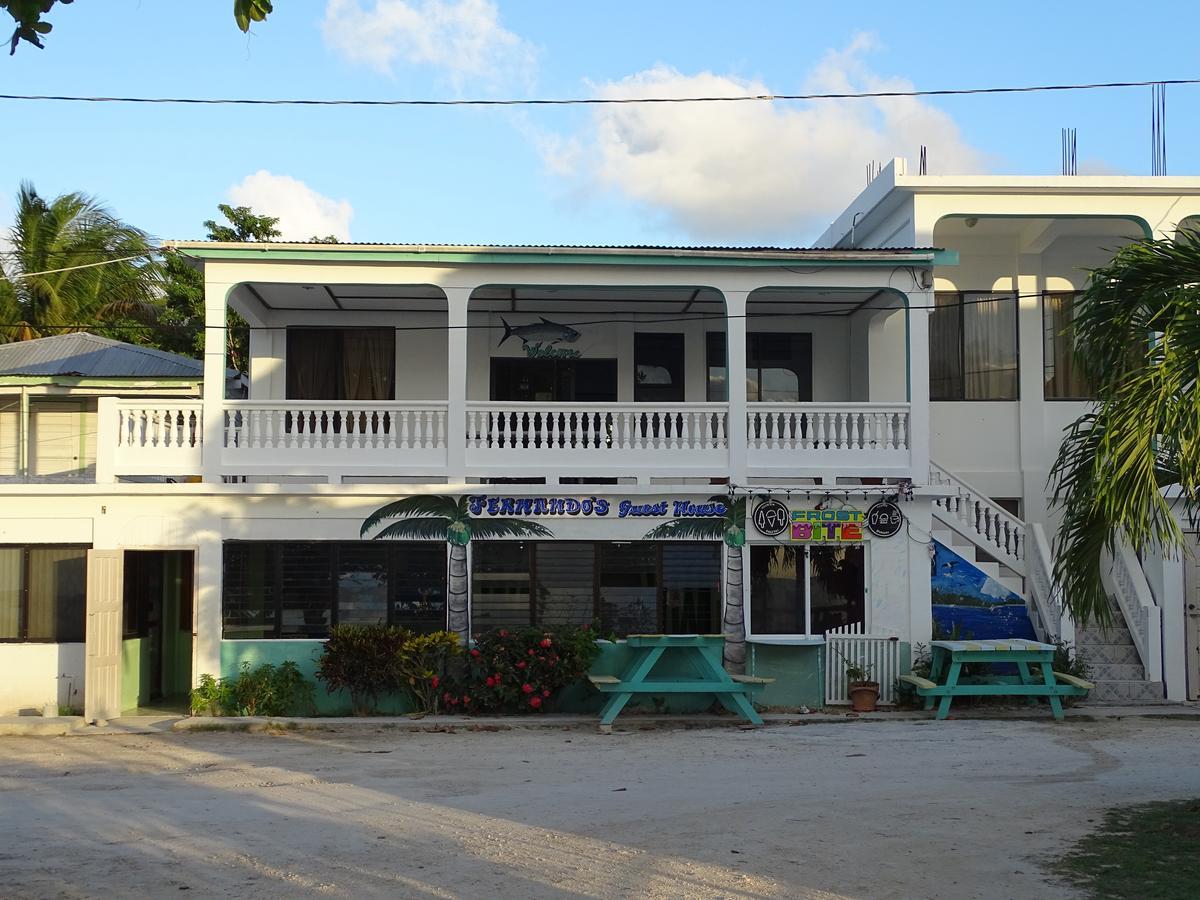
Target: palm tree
[50,281]
[731,528]
[1137,339]
[441,517]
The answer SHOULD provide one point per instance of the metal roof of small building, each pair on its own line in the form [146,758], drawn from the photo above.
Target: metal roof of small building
[85,355]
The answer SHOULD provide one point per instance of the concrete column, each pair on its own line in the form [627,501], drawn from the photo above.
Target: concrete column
[1034,442]
[457,300]
[25,446]
[919,305]
[206,646]
[216,295]
[920,594]
[735,380]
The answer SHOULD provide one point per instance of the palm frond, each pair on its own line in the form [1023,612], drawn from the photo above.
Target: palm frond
[1137,334]
[500,527]
[428,505]
[420,529]
[688,530]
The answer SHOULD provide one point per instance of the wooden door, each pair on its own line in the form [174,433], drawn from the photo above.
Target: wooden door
[1191,616]
[105,602]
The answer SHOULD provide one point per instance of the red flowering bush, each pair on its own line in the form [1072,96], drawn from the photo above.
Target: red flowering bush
[519,670]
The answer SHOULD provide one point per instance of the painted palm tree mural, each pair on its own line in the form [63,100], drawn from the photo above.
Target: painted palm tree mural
[441,517]
[732,530]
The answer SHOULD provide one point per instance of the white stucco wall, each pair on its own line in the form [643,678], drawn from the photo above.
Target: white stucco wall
[34,674]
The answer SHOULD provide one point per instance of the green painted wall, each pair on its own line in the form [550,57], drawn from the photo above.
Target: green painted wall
[177,643]
[135,673]
[797,670]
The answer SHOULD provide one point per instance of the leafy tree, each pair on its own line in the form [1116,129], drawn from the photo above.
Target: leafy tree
[183,316]
[1137,339]
[437,516]
[74,263]
[731,528]
[32,25]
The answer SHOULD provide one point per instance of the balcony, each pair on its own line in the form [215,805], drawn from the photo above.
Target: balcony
[336,441]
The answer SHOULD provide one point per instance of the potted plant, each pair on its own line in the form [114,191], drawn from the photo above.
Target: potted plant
[864,693]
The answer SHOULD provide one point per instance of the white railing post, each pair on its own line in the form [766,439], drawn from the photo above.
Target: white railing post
[107,438]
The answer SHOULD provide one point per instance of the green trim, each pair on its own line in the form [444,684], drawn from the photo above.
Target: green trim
[258,254]
[1137,220]
[84,382]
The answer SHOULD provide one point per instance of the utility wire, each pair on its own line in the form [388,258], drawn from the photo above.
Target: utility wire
[104,262]
[601,101]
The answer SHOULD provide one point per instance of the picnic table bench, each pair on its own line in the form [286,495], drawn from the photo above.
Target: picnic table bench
[699,652]
[950,656]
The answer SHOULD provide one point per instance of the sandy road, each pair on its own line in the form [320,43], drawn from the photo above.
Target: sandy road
[953,809]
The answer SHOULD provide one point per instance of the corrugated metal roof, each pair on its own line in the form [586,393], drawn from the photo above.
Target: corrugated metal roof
[90,356]
[639,248]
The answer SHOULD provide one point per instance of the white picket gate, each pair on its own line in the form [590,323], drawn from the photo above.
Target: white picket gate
[881,652]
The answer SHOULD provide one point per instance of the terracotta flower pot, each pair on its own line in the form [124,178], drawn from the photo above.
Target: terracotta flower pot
[864,696]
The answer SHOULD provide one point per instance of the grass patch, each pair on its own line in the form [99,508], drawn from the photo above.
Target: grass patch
[1150,851]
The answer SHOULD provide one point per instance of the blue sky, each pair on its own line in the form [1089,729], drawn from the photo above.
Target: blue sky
[720,173]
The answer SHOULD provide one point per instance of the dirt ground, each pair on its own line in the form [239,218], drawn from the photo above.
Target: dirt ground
[915,809]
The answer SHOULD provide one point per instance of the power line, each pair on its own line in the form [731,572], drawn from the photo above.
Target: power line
[103,262]
[601,101]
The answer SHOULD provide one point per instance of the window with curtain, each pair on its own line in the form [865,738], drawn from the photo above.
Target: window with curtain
[973,347]
[43,593]
[341,364]
[1063,377]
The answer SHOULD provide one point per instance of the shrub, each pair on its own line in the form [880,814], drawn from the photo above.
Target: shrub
[371,660]
[520,670]
[267,690]
[361,659]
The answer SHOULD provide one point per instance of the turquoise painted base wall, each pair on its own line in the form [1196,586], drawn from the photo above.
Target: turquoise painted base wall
[135,673]
[797,670]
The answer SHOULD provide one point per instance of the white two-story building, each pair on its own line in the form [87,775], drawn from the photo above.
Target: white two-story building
[919,357]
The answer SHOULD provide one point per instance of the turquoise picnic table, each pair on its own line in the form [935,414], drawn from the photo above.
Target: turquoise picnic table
[701,653]
[949,657]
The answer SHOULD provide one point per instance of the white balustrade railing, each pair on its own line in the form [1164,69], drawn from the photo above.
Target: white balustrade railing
[537,427]
[1123,578]
[1044,595]
[334,425]
[878,653]
[148,437]
[988,525]
[844,427]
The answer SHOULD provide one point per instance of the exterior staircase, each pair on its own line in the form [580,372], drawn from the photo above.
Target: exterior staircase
[1117,669]
[1017,554]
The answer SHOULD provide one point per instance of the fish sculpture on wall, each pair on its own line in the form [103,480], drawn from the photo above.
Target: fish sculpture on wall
[544,332]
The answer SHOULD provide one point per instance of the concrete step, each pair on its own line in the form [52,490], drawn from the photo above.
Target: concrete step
[1117,672]
[1102,654]
[1124,692]
[1118,634]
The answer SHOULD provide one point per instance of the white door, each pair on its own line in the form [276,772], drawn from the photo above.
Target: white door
[105,603]
[1191,617]
[57,438]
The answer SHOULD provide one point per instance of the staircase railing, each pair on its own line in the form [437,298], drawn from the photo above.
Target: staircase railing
[1123,578]
[1043,596]
[974,515]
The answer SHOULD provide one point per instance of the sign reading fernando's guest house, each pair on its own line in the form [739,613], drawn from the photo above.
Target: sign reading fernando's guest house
[484,505]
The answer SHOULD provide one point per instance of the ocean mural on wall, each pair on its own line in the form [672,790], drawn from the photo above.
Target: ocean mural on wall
[977,604]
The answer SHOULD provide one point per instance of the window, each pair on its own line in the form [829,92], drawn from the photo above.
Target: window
[658,368]
[299,589]
[631,587]
[973,347]
[797,590]
[1063,377]
[778,367]
[341,364]
[43,593]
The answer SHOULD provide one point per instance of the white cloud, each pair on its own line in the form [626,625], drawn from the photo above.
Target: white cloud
[752,170]
[463,39]
[302,212]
